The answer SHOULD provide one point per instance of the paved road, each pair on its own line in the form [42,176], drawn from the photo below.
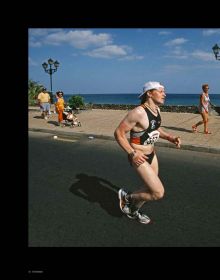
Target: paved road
[73,201]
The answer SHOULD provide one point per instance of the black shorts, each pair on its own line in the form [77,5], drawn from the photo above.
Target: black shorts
[150,157]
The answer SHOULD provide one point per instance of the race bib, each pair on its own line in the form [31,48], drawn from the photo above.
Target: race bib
[153,137]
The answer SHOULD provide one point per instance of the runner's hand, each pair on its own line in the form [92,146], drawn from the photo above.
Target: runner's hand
[177,141]
[138,158]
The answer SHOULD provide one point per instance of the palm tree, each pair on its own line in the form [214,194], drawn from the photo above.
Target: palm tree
[34,88]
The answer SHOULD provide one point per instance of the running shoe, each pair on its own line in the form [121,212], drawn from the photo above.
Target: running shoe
[124,203]
[140,217]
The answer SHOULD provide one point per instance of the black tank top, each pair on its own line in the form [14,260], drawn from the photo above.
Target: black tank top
[149,135]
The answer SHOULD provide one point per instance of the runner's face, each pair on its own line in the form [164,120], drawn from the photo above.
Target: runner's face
[158,96]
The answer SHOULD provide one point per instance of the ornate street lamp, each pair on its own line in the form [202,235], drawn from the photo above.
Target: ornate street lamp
[51,70]
[216,51]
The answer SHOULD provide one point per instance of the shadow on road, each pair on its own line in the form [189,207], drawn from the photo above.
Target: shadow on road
[53,122]
[177,128]
[96,189]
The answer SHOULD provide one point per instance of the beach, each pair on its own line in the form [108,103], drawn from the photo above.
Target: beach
[102,123]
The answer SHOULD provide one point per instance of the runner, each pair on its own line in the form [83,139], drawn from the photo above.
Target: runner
[143,123]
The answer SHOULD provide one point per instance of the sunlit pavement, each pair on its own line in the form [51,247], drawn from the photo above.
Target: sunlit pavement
[102,123]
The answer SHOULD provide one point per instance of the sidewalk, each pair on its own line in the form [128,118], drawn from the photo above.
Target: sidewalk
[102,123]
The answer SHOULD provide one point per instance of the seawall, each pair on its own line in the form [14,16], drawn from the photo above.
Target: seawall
[164,108]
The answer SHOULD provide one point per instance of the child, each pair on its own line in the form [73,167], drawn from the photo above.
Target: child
[71,117]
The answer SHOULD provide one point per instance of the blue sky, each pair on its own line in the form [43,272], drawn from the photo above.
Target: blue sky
[121,60]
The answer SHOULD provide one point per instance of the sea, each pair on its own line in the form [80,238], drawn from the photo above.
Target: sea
[132,99]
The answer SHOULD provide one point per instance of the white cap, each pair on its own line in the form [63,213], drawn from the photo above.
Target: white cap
[149,86]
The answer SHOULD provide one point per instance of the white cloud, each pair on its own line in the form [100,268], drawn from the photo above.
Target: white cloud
[37,35]
[114,51]
[178,52]
[164,33]
[175,42]
[132,57]
[181,56]
[110,51]
[201,55]
[82,39]
[35,44]
[38,32]
[210,32]
[79,39]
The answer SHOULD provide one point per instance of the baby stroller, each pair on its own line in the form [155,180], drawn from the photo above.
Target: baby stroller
[69,118]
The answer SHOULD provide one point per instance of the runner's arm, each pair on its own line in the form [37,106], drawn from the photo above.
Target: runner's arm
[173,139]
[137,157]
[120,133]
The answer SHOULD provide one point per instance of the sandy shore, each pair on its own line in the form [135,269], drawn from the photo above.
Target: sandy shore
[103,123]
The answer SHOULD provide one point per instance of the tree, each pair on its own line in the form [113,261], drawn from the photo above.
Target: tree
[34,88]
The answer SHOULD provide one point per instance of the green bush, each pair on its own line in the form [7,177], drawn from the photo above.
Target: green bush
[76,101]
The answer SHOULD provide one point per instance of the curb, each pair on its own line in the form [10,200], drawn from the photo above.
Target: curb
[33,110]
[105,137]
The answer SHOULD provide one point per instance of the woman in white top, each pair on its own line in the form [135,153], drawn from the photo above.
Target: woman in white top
[203,109]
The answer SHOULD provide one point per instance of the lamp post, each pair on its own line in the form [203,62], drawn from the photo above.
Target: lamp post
[216,51]
[50,70]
